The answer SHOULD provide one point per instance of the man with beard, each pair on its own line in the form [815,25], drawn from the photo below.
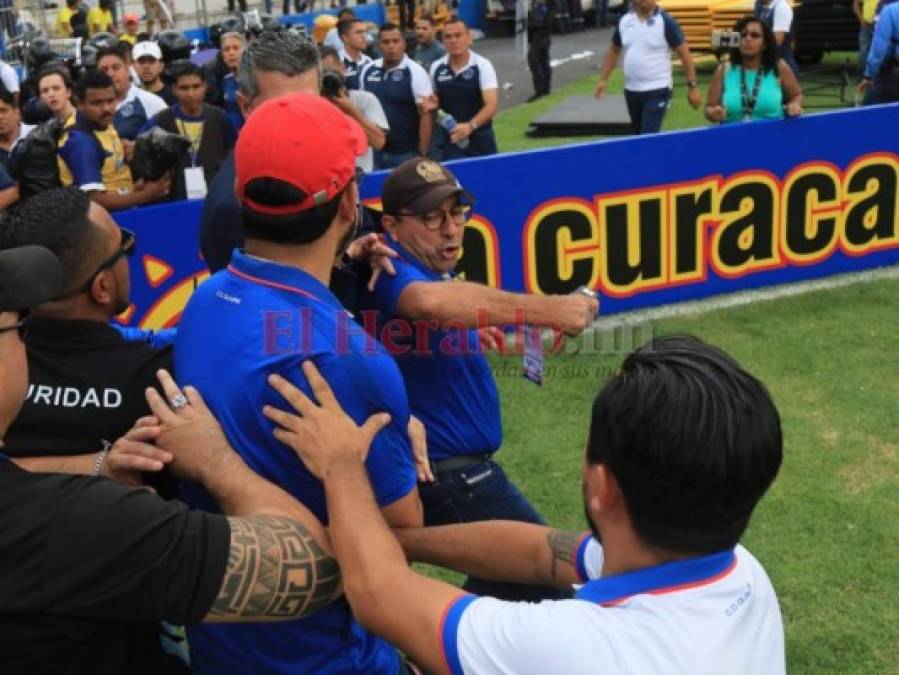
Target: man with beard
[83,556]
[682,445]
[86,383]
[149,66]
[449,380]
[270,309]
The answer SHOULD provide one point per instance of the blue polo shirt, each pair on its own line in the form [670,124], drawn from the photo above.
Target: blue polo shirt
[399,89]
[247,321]
[450,385]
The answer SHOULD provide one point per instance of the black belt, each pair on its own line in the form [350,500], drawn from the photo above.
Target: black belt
[460,461]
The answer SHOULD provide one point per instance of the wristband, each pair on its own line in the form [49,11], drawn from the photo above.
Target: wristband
[692,84]
[101,456]
[474,127]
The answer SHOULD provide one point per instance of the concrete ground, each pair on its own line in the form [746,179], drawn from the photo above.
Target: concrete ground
[573,55]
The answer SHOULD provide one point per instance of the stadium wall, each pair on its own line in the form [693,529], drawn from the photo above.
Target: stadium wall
[645,221]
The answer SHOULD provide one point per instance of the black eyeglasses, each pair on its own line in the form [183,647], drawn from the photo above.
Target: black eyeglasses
[21,325]
[434,220]
[751,33]
[129,239]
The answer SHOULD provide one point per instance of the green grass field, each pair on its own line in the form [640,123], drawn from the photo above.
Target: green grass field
[827,532]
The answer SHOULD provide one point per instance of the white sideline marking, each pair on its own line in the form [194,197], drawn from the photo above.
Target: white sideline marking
[726,301]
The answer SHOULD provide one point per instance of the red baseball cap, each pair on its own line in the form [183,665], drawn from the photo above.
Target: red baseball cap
[303,140]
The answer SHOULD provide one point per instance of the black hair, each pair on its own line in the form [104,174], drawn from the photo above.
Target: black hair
[426,17]
[183,68]
[92,79]
[113,50]
[346,12]
[300,228]
[7,96]
[56,68]
[325,51]
[385,27]
[692,439]
[455,18]
[343,27]
[57,219]
[771,52]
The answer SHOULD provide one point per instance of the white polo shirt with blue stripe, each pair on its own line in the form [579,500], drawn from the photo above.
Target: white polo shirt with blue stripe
[700,616]
[647,45]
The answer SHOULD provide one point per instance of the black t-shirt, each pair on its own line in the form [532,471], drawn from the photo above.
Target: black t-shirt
[166,94]
[85,383]
[82,556]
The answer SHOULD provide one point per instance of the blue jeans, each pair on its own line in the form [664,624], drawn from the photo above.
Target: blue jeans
[865,33]
[647,109]
[602,18]
[479,492]
[391,160]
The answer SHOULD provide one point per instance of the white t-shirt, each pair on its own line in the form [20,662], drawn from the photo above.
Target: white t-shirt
[9,77]
[703,616]
[782,18]
[647,45]
[371,109]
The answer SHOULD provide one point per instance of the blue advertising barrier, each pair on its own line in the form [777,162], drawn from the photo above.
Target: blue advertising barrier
[645,221]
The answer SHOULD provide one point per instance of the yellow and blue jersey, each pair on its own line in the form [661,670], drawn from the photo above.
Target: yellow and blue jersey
[93,159]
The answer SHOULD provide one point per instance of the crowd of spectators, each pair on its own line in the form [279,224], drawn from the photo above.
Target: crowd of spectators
[131,83]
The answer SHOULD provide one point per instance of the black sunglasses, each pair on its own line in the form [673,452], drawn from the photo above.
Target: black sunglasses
[129,240]
[21,325]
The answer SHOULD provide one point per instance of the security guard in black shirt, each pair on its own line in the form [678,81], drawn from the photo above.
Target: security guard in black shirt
[541,15]
[83,556]
[87,383]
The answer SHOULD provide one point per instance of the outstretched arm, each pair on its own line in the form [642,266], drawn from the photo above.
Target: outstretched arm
[387,597]
[499,550]
[477,305]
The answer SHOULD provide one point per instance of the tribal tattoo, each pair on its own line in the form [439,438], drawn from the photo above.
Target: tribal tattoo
[276,569]
[563,545]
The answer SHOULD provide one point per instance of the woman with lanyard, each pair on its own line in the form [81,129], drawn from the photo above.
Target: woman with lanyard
[756,83]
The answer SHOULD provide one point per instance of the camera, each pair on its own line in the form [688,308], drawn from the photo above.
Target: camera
[332,83]
[725,39]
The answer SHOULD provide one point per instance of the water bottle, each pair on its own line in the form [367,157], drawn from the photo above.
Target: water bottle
[448,122]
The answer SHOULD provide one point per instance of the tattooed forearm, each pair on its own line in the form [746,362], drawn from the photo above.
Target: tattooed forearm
[276,570]
[563,546]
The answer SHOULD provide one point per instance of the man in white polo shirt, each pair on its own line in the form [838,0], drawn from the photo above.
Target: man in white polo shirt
[682,445]
[647,34]
[779,16]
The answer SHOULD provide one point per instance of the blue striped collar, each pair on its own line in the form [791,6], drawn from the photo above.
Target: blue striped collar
[665,578]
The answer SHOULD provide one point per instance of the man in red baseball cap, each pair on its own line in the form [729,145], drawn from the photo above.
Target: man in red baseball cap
[266,313]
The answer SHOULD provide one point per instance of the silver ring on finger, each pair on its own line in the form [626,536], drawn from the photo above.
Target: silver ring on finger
[179,401]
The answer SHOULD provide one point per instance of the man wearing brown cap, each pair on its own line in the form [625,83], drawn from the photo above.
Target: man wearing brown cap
[269,310]
[450,386]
